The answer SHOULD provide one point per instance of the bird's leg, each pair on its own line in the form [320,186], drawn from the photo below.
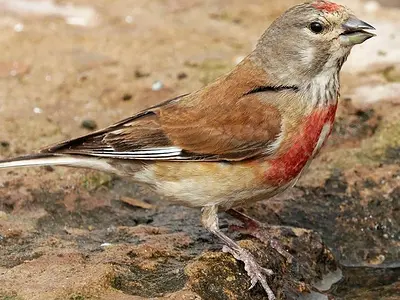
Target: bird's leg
[255,228]
[256,273]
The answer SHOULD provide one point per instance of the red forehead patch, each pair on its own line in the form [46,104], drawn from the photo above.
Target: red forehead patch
[327,6]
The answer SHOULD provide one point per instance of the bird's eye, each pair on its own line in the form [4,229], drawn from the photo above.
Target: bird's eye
[316,27]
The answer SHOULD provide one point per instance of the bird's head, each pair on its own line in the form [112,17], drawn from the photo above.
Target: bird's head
[310,38]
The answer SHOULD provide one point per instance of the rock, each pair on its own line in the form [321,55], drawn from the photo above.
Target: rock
[56,277]
[181,75]
[140,73]
[4,144]
[89,124]
[216,275]
[157,85]
[126,97]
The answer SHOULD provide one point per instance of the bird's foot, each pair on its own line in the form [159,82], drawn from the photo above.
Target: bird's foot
[253,269]
[260,231]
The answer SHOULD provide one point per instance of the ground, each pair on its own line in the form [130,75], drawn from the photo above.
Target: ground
[68,67]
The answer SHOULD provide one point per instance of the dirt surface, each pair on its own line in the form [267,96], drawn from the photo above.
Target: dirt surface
[68,67]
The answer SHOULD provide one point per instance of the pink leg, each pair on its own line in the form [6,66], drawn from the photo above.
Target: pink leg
[257,229]
[256,273]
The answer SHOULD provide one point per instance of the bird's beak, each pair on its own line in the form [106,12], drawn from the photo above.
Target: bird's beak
[354,32]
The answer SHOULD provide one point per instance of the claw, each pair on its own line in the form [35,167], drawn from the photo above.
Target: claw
[268,272]
[253,283]
[253,269]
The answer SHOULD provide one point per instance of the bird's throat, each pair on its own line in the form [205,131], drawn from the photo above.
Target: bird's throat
[323,89]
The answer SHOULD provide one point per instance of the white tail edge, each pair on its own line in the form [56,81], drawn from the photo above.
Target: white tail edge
[58,160]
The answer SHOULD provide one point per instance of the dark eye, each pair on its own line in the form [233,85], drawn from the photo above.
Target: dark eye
[316,27]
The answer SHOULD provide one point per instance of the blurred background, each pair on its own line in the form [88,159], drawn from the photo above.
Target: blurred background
[71,66]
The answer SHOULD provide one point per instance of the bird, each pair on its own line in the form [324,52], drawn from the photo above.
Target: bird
[245,137]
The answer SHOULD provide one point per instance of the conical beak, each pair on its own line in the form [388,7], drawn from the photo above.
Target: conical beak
[354,33]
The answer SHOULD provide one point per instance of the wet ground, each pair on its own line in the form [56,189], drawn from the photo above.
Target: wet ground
[70,66]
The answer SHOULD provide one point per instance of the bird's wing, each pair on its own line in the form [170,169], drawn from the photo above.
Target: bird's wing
[213,124]
[177,132]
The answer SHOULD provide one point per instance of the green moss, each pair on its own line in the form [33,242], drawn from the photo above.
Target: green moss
[77,297]
[94,181]
[387,137]
[209,69]
[377,149]
[10,297]
[392,74]
[226,16]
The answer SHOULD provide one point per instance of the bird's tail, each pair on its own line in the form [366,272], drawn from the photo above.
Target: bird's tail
[53,159]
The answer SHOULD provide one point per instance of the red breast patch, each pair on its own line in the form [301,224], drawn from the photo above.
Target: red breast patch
[286,167]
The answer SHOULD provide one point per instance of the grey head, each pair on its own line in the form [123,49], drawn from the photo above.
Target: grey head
[309,39]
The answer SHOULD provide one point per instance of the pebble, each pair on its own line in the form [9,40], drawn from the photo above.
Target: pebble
[181,75]
[4,144]
[37,110]
[157,85]
[82,78]
[129,19]
[48,168]
[111,229]
[127,97]
[19,27]
[89,124]
[140,74]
